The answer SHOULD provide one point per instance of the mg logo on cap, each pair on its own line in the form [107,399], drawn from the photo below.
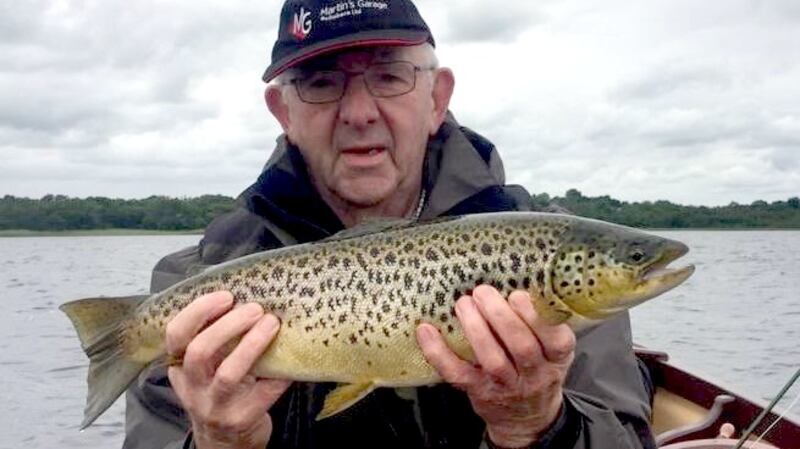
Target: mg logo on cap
[301,25]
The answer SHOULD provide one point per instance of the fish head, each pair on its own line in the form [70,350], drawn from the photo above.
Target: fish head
[602,269]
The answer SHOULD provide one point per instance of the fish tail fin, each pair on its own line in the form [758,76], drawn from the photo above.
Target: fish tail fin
[99,323]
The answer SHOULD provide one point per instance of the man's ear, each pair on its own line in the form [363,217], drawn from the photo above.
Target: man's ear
[277,106]
[443,86]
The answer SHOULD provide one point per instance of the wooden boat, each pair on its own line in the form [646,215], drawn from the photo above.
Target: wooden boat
[690,412]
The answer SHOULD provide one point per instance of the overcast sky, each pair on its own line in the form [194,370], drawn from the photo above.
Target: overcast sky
[689,101]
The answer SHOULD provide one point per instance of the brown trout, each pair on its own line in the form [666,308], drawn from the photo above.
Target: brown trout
[349,305]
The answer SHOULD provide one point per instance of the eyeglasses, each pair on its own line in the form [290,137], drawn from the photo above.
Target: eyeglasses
[383,79]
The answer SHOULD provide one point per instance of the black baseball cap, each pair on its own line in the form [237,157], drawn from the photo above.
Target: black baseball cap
[310,28]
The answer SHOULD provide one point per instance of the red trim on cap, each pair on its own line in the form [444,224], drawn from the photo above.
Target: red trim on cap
[356,43]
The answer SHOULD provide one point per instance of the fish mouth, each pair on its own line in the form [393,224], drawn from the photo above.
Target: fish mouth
[658,277]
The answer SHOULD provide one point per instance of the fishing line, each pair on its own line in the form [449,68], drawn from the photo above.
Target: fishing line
[769,408]
[791,406]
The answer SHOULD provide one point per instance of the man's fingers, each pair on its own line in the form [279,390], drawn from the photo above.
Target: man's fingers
[558,342]
[203,352]
[514,333]
[252,346]
[488,351]
[193,318]
[269,391]
[521,302]
[452,369]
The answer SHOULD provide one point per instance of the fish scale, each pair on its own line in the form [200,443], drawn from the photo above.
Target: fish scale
[349,305]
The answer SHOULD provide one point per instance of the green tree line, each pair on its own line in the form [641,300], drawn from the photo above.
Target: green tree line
[62,213]
[664,214]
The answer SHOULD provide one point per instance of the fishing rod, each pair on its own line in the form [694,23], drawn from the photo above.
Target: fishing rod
[780,417]
[769,408]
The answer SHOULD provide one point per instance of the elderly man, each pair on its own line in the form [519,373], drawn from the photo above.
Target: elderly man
[367,133]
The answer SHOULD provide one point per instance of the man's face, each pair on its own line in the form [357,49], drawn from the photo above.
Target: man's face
[363,149]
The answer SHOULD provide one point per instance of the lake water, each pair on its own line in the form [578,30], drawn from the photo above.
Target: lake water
[736,320]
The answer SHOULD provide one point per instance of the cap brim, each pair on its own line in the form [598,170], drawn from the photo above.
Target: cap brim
[363,39]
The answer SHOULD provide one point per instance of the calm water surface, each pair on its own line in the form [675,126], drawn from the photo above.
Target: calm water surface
[736,320]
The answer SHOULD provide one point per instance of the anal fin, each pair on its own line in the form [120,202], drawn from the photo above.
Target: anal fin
[343,397]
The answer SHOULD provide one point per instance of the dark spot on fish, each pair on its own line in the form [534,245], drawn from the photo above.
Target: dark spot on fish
[431,255]
[552,303]
[486,249]
[578,259]
[353,339]
[568,268]
[512,283]
[591,281]
[226,277]
[342,318]
[591,254]
[333,262]
[450,329]
[540,278]
[577,282]
[404,373]
[564,284]
[390,259]
[369,363]
[526,283]
[374,252]
[440,298]
[302,262]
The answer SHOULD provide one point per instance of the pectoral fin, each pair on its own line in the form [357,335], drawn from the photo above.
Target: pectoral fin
[343,397]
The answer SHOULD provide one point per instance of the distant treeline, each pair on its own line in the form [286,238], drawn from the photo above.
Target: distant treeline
[664,214]
[62,213]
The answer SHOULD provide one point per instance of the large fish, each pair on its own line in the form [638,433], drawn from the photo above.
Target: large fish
[349,305]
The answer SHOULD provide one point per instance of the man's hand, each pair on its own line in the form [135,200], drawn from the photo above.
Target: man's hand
[516,382]
[227,405]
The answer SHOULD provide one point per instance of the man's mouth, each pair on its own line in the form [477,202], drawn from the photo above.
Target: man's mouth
[364,151]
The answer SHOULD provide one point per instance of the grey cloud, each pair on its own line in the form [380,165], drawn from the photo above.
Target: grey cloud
[480,21]
[673,78]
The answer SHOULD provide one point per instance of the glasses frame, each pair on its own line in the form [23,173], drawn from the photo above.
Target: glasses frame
[351,74]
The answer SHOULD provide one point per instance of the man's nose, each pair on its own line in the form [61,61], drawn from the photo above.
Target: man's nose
[358,107]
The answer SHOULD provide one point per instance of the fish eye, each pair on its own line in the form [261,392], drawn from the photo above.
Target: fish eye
[637,255]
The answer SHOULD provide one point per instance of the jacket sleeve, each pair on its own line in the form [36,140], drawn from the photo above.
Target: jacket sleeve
[606,389]
[606,403]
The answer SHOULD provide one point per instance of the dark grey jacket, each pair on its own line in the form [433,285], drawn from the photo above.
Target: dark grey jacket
[606,406]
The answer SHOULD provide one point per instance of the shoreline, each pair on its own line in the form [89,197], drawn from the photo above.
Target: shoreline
[94,233]
[145,232]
